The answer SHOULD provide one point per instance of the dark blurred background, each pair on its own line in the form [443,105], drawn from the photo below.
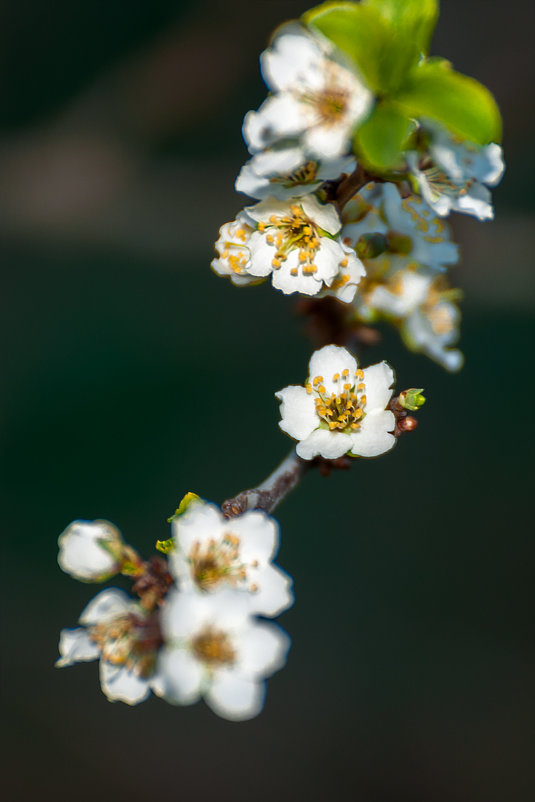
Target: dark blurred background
[131,374]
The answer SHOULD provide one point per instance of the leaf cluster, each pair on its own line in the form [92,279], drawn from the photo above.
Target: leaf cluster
[388,42]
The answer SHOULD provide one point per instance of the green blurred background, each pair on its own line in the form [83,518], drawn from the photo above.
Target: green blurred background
[131,375]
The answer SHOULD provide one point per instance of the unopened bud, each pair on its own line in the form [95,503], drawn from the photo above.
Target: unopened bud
[369,246]
[412,399]
[407,424]
[398,243]
[165,546]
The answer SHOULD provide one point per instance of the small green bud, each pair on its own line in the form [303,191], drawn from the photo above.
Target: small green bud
[398,243]
[165,546]
[188,499]
[412,399]
[369,246]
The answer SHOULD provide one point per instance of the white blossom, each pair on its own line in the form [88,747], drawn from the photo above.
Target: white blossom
[213,553]
[414,234]
[316,96]
[342,409]
[233,251]
[294,242]
[125,638]
[216,650]
[454,175]
[90,551]
[286,172]
[421,304]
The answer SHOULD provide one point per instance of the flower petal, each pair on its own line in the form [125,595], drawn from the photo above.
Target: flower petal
[262,650]
[330,445]
[258,533]
[75,646]
[298,412]
[378,380]
[181,676]
[328,361]
[120,684]
[374,437]
[274,592]
[234,697]
[105,606]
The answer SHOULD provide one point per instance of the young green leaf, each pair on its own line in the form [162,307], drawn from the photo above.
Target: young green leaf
[379,141]
[460,103]
[382,54]
[414,19]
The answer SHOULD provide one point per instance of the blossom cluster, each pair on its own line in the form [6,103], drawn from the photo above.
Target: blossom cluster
[384,251]
[193,630]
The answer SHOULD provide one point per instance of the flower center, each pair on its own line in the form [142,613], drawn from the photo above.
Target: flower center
[343,410]
[439,183]
[129,640]
[293,230]
[217,562]
[213,647]
[330,103]
[306,174]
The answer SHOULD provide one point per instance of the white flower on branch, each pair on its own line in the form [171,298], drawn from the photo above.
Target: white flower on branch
[342,409]
[423,307]
[286,172]
[90,551]
[125,638]
[233,252]
[216,650]
[316,96]
[454,175]
[294,242]
[213,553]
[413,234]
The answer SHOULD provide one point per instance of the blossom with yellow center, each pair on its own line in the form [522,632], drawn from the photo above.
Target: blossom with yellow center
[341,409]
[453,175]
[286,172]
[213,553]
[125,638]
[233,252]
[317,96]
[294,242]
[216,650]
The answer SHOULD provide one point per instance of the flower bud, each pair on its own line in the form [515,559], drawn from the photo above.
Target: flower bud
[90,550]
[398,243]
[369,246]
[412,399]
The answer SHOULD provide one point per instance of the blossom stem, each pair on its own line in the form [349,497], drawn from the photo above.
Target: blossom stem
[267,495]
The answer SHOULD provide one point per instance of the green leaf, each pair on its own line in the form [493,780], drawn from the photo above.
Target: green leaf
[189,498]
[379,141]
[382,56]
[460,103]
[414,19]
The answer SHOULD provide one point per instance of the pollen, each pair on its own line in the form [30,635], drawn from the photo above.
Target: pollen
[343,408]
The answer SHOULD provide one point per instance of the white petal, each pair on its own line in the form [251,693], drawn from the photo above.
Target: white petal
[328,259]
[492,167]
[287,64]
[283,279]
[324,214]
[378,380]
[278,161]
[327,141]
[298,412]
[374,436]
[107,605]
[182,676]
[258,533]
[120,684]
[274,591]
[328,361]
[262,255]
[477,201]
[75,646]
[280,116]
[330,445]
[234,697]
[262,650]
[199,523]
